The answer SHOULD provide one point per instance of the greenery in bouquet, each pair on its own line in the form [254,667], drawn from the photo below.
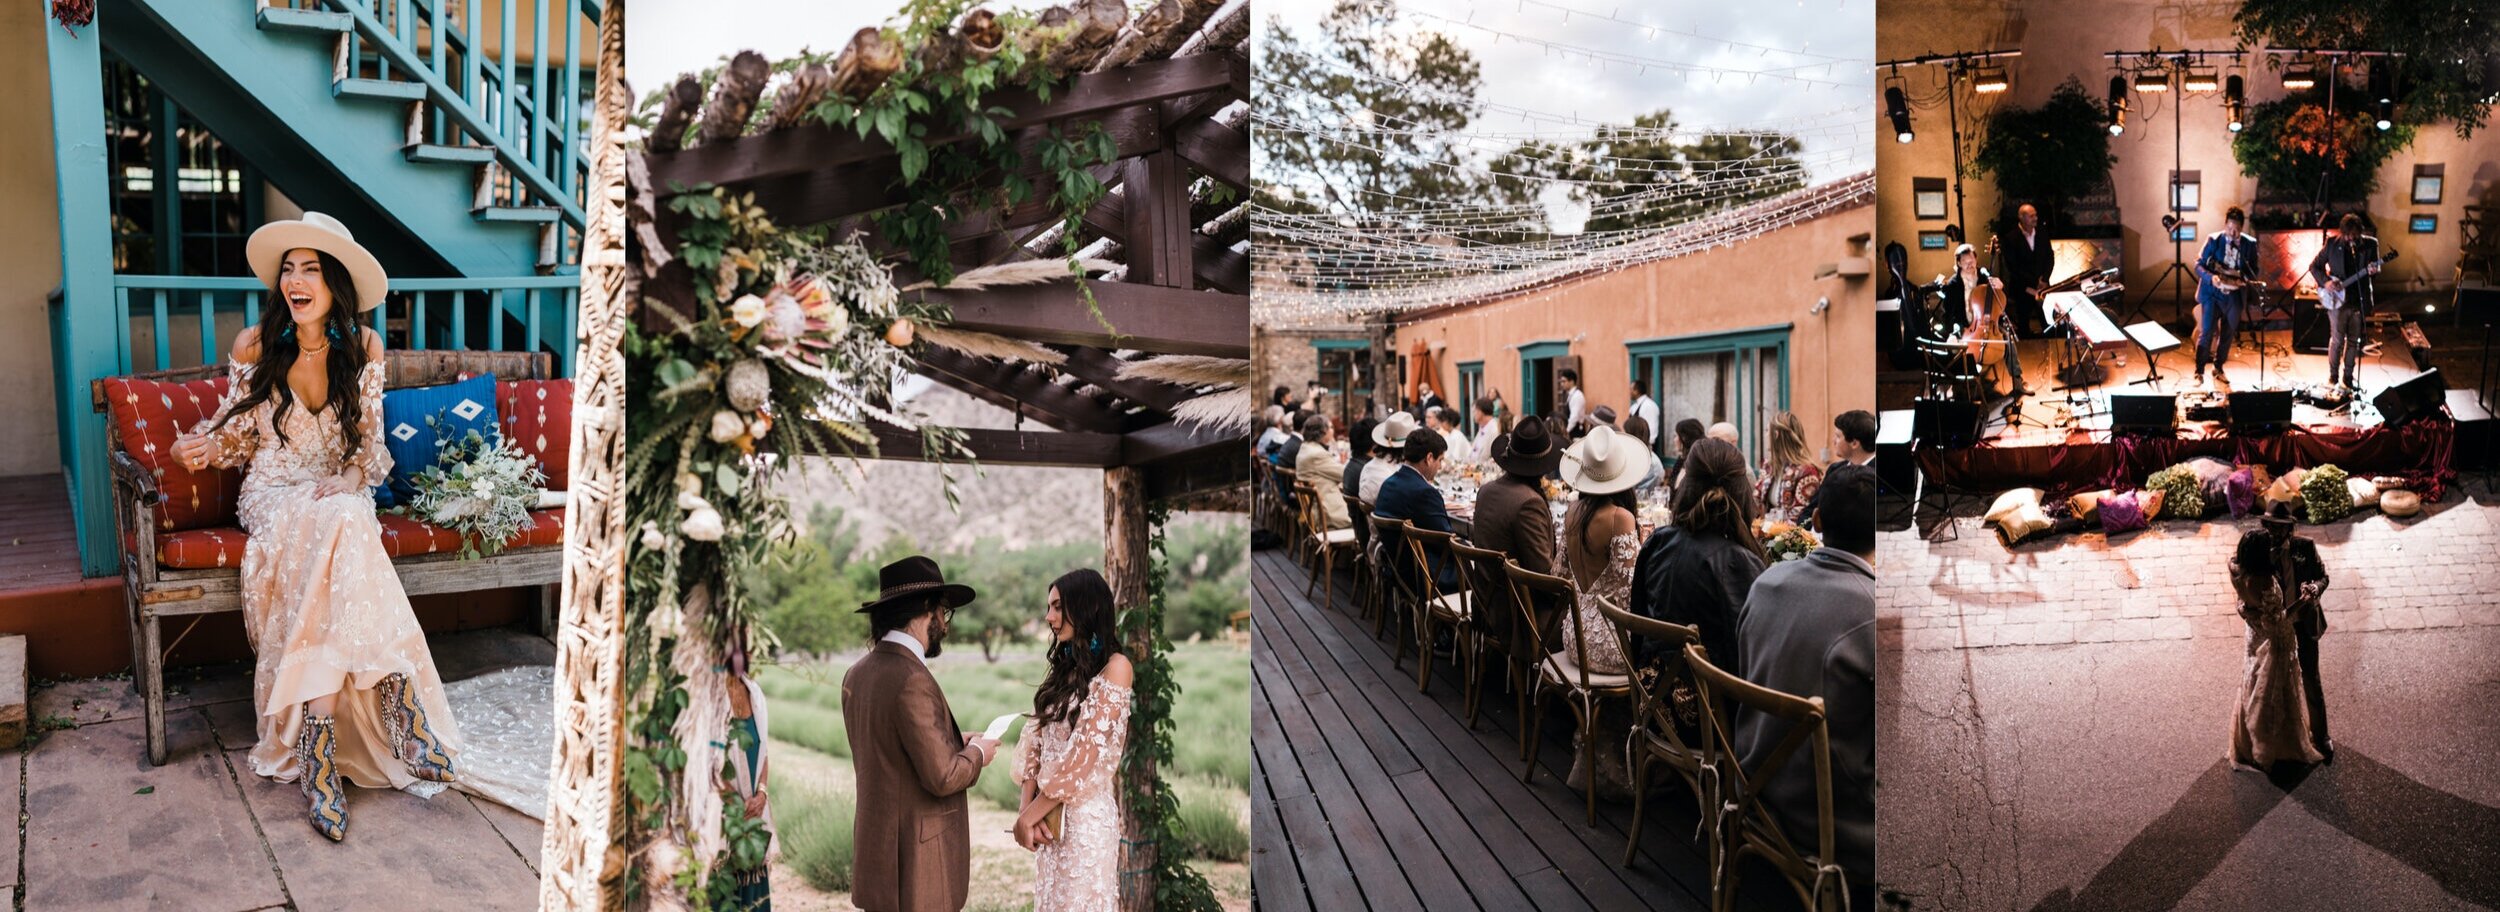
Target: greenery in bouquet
[2183,496]
[1789,542]
[2324,496]
[480,487]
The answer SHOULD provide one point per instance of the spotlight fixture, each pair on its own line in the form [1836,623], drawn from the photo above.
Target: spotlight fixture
[2235,101]
[1897,107]
[2239,117]
[2382,82]
[2153,80]
[2200,80]
[1989,80]
[2300,76]
[2117,105]
[2386,114]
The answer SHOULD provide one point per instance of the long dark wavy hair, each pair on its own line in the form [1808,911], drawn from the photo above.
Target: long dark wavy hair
[1713,497]
[1085,603]
[279,348]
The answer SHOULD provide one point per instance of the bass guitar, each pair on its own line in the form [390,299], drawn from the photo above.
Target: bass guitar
[2331,294]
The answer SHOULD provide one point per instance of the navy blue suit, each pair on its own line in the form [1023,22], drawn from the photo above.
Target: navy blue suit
[2220,324]
[1406,495]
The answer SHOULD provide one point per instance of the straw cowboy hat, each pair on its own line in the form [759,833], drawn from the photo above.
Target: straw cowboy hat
[1392,432]
[1604,462]
[1527,450]
[269,245]
[915,576]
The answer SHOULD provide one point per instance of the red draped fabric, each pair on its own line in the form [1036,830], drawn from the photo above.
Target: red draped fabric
[2419,452]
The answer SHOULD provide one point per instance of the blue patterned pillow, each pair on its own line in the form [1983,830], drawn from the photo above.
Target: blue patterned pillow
[464,406]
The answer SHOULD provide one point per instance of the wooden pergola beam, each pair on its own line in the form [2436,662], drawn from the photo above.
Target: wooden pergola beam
[1098,367]
[997,446]
[1009,386]
[1218,151]
[819,149]
[1143,317]
[860,188]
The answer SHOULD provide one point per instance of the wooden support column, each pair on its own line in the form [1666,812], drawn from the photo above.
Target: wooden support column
[84,338]
[1156,195]
[1125,563]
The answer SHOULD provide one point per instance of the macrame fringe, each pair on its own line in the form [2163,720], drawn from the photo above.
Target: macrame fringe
[1228,410]
[986,345]
[1189,370]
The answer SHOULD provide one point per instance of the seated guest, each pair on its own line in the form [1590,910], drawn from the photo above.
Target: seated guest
[1388,449]
[1273,434]
[1409,494]
[1853,443]
[1446,423]
[1358,444]
[1696,572]
[1638,428]
[1316,465]
[1808,628]
[1687,433]
[1291,449]
[1600,540]
[1726,431]
[1512,515]
[1789,475]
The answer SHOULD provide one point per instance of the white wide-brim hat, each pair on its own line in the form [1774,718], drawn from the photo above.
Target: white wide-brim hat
[269,245]
[1605,462]
[1393,431]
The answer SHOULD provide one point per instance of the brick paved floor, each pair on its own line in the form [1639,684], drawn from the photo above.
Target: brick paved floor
[2052,722]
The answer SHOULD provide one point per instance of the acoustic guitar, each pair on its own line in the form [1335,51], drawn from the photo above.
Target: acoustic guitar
[2333,298]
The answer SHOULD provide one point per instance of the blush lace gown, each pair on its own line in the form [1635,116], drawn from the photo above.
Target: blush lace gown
[2270,720]
[321,603]
[1077,765]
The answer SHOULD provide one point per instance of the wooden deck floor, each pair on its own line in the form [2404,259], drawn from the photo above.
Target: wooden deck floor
[38,533]
[1368,794]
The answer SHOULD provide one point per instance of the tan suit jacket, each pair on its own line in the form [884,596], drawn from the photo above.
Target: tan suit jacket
[913,836]
[1318,467]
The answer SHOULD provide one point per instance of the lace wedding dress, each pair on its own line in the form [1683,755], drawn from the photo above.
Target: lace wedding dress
[321,603]
[1077,765]
[1605,651]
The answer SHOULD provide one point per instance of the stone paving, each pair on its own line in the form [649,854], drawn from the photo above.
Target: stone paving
[2052,723]
[100,828]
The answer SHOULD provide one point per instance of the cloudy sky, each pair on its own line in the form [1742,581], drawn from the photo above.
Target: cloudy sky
[1526,75]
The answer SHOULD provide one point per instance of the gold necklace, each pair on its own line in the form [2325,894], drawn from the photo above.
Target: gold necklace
[315,351]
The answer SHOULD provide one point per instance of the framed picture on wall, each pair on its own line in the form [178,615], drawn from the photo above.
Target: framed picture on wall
[2429,184]
[1927,194]
[2190,190]
[2423,224]
[1932,240]
[2185,231]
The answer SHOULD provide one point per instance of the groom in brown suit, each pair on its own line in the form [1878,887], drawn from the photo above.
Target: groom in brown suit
[913,836]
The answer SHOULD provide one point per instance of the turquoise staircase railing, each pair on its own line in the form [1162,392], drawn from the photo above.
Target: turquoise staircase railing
[202,313]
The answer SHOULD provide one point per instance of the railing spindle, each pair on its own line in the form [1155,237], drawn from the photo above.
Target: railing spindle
[459,320]
[494,319]
[208,327]
[564,178]
[164,332]
[416,324]
[538,88]
[121,321]
[530,322]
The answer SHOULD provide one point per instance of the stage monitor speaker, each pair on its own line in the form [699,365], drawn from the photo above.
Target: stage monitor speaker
[2261,411]
[1895,433]
[2477,305]
[2309,328]
[2143,413]
[1947,423]
[2410,398]
[2478,434]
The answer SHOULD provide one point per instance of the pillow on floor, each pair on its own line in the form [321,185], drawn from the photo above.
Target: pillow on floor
[468,405]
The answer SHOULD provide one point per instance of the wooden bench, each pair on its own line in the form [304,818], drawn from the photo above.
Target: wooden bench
[154,593]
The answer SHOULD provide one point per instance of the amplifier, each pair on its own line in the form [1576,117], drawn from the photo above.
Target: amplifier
[1948,423]
[2144,413]
[2478,434]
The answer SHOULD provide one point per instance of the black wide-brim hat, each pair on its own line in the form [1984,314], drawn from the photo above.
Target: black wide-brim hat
[1527,450]
[914,577]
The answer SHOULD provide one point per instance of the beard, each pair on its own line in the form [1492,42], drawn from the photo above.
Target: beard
[938,625]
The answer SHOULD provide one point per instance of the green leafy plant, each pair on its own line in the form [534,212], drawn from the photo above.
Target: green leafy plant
[2183,496]
[2442,48]
[2289,143]
[1177,886]
[2324,494]
[2048,155]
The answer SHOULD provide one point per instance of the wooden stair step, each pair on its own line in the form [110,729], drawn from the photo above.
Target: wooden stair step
[12,691]
[449,154]
[286,19]
[518,214]
[389,89]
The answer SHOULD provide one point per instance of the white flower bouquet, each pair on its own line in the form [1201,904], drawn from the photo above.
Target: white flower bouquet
[482,489]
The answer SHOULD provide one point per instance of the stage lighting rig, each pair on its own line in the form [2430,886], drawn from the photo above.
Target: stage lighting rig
[1980,69]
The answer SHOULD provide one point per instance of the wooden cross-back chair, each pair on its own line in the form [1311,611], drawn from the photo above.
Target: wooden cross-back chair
[1493,626]
[1435,607]
[1741,824]
[1397,585]
[1658,734]
[1281,481]
[1557,672]
[1367,593]
[1324,543]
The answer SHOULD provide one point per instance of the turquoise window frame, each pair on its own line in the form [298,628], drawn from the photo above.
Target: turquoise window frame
[1470,386]
[1744,344]
[1531,396]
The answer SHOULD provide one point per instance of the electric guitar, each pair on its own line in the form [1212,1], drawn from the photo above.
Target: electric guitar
[2331,294]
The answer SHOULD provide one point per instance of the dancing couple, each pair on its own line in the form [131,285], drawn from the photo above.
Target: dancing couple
[913,834]
[2281,713]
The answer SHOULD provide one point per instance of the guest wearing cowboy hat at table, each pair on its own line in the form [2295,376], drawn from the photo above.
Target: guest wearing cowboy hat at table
[1600,539]
[1512,514]
[911,837]
[343,686]
[1388,452]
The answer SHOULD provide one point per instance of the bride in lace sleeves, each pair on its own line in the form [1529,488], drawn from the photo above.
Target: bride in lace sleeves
[1071,752]
[342,682]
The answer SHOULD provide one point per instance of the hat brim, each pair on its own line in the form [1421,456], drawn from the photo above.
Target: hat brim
[268,246]
[1379,439]
[1576,475]
[957,595]
[1539,465]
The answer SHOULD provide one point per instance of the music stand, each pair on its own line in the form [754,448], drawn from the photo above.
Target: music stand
[2156,342]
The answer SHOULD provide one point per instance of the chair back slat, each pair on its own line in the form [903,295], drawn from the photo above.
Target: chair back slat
[1527,585]
[1740,787]
[1427,543]
[1489,596]
[1652,705]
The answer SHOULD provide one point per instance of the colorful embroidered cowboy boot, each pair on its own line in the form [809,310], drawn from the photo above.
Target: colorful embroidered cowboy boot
[412,737]
[315,749]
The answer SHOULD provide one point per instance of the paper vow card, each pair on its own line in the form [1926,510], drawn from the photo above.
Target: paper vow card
[999,726]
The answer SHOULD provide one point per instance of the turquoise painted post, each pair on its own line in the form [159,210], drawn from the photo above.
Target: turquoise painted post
[81,176]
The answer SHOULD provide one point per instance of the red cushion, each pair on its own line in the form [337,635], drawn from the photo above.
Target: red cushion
[146,414]
[538,417]
[208,549]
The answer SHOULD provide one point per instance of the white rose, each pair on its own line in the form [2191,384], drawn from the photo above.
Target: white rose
[652,539]
[837,322]
[690,501]
[748,310]
[702,525]
[726,426]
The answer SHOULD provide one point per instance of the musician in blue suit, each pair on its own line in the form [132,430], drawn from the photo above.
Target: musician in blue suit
[2343,270]
[2227,253]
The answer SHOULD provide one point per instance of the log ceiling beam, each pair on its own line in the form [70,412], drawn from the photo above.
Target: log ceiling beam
[1218,151]
[862,188]
[1009,386]
[816,148]
[1098,367]
[1142,317]
[994,446]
